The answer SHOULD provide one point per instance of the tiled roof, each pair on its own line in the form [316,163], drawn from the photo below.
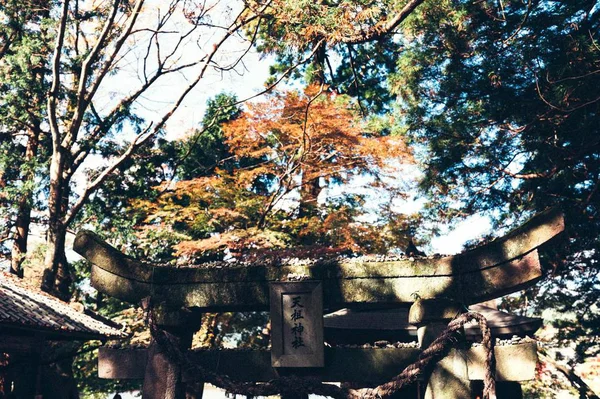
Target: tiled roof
[26,307]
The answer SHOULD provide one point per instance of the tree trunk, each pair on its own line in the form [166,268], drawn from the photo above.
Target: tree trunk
[309,193]
[23,220]
[310,189]
[56,278]
[19,247]
[212,323]
[319,64]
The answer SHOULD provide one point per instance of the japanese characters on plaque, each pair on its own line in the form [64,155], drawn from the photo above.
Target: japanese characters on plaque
[297,329]
[297,324]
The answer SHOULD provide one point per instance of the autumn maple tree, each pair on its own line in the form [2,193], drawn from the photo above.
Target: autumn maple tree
[285,151]
[306,140]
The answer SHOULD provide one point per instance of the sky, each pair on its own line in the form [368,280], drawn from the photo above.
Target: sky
[245,80]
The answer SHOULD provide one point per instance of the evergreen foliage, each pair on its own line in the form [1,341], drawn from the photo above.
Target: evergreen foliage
[502,106]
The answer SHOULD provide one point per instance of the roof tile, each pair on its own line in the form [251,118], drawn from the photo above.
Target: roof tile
[22,305]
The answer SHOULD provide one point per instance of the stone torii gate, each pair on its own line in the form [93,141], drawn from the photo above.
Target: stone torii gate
[442,285]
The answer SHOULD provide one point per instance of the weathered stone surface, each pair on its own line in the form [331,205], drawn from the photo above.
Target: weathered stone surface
[182,319]
[122,364]
[426,310]
[162,377]
[513,362]
[349,326]
[449,379]
[427,333]
[376,365]
[503,266]
[342,291]
[297,324]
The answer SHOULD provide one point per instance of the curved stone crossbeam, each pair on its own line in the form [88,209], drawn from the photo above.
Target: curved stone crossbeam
[503,266]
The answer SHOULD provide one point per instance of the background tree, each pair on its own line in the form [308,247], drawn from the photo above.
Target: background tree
[271,148]
[206,149]
[62,114]
[349,46]
[92,42]
[502,105]
[499,100]
[24,53]
[242,202]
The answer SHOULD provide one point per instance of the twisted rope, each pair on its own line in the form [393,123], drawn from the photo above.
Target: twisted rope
[168,344]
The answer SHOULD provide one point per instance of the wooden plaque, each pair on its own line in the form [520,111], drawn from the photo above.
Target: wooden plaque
[297,324]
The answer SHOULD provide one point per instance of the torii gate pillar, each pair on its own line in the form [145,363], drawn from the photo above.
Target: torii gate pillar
[163,378]
[450,377]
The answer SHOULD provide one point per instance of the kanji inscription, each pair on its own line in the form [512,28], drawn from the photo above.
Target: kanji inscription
[297,324]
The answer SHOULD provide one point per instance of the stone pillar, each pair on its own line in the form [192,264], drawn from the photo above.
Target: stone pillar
[163,378]
[449,379]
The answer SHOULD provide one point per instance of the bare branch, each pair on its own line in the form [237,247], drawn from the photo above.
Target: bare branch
[151,130]
[90,59]
[113,116]
[356,80]
[531,176]
[564,110]
[305,136]
[83,99]
[119,44]
[108,122]
[284,74]
[521,24]
[53,94]
[266,90]
[246,50]
[139,140]
[232,29]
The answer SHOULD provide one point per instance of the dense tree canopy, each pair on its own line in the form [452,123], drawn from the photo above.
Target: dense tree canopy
[502,105]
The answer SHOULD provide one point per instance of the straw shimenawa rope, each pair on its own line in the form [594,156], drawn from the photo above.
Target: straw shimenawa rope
[168,344]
